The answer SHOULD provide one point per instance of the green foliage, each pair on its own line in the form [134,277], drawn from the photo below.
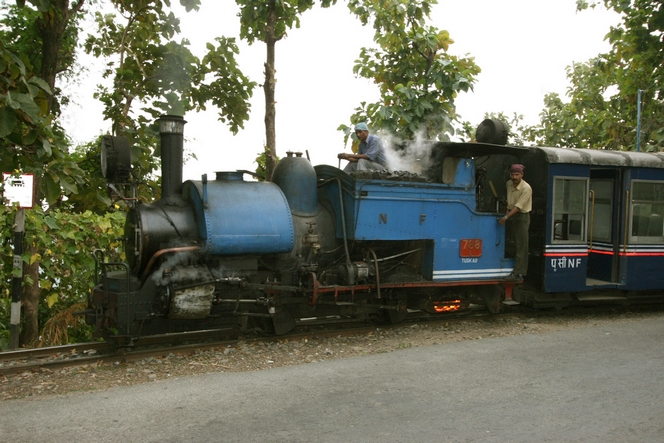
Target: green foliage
[593,117]
[21,93]
[64,242]
[417,77]
[28,140]
[254,16]
[268,22]
[230,90]
[162,75]
[23,33]
[153,75]
[20,32]
[260,166]
[603,95]
[5,314]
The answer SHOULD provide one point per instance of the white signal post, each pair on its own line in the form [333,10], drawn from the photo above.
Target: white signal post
[18,189]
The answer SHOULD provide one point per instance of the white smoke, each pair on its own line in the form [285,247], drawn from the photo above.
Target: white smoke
[415,157]
[169,263]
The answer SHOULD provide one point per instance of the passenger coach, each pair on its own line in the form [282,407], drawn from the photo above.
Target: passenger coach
[597,225]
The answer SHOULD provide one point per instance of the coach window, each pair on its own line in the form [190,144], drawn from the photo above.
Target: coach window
[569,209]
[647,209]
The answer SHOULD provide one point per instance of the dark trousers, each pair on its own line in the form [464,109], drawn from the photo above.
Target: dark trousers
[517,229]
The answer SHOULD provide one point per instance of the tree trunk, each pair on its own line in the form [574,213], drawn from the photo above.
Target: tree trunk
[30,303]
[30,293]
[52,26]
[269,86]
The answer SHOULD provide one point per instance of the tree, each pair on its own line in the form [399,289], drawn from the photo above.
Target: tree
[34,143]
[268,22]
[24,33]
[153,74]
[591,118]
[417,77]
[604,92]
[41,146]
[47,37]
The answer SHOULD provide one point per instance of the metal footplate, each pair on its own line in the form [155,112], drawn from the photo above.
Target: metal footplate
[509,289]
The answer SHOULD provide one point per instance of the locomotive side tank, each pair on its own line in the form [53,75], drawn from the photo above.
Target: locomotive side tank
[462,242]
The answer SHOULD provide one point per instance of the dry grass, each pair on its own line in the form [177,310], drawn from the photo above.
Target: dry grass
[56,329]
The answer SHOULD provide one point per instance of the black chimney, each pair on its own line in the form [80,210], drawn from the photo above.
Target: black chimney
[171,130]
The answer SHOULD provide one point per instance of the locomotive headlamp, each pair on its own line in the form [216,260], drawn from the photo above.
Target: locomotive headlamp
[115,158]
[171,124]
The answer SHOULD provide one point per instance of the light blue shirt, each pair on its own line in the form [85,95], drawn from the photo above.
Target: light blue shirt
[373,148]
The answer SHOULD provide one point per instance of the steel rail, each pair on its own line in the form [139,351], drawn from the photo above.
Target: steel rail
[25,360]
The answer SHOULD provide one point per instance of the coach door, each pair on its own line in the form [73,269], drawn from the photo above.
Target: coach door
[603,237]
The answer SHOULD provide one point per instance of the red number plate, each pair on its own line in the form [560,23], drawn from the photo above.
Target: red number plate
[471,247]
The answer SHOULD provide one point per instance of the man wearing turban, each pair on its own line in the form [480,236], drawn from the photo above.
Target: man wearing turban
[517,218]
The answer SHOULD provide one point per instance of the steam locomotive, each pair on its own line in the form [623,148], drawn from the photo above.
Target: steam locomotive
[319,245]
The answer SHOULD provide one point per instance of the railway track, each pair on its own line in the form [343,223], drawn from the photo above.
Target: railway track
[56,357]
[52,358]
[20,361]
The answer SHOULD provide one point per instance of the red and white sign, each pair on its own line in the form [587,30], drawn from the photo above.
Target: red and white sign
[470,247]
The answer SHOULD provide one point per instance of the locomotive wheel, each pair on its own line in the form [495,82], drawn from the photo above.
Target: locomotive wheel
[379,318]
[261,325]
[388,316]
[492,296]
[397,316]
[400,297]
[282,322]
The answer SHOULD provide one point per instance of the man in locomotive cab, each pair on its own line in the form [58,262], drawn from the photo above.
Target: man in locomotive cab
[517,218]
[370,155]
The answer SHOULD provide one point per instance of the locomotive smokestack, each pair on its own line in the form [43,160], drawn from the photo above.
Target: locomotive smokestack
[171,130]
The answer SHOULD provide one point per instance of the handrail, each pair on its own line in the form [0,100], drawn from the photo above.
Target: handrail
[592,217]
[626,224]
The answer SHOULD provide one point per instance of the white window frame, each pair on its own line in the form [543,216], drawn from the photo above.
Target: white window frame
[584,222]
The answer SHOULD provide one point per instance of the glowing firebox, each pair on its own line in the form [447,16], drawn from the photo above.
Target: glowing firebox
[446,306]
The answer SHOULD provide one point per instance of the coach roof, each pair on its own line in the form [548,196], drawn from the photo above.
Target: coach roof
[600,157]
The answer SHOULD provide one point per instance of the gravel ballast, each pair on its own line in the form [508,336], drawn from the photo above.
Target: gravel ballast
[259,356]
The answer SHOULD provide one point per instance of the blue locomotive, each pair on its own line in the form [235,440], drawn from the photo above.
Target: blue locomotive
[319,245]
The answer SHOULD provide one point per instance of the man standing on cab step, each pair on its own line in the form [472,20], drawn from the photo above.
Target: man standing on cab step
[519,205]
